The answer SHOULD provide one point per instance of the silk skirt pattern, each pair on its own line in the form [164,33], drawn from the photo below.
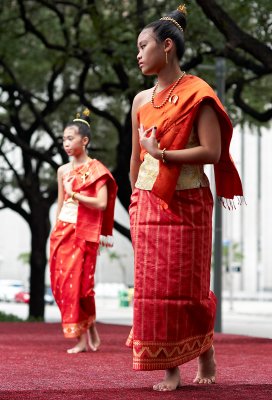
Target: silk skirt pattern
[72,269]
[174,309]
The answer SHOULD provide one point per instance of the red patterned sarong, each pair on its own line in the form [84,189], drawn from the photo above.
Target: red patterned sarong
[174,309]
[72,268]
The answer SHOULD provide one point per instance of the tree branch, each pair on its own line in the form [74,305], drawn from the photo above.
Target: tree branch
[26,148]
[121,229]
[15,207]
[29,27]
[237,96]
[237,37]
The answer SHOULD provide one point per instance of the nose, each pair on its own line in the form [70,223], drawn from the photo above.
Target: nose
[139,56]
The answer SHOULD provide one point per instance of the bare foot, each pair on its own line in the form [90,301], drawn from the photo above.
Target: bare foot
[171,381]
[93,338]
[80,347]
[206,367]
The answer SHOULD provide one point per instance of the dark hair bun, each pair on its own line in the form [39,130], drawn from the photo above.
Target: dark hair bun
[180,17]
[83,122]
[171,26]
[83,116]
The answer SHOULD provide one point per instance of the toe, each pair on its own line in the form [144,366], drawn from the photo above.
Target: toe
[203,381]
[160,387]
[157,387]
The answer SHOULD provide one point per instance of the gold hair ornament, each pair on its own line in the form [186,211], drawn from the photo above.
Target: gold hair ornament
[81,120]
[172,20]
[182,9]
[86,112]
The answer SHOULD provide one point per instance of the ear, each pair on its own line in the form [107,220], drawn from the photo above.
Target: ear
[85,140]
[168,44]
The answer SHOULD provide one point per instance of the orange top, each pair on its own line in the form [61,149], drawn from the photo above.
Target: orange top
[174,124]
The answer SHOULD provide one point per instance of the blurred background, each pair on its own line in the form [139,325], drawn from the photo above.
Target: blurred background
[58,57]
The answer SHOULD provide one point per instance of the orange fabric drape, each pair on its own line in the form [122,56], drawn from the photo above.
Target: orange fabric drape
[174,124]
[92,223]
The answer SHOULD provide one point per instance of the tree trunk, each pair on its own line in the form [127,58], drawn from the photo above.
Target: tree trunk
[40,228]
[121,172]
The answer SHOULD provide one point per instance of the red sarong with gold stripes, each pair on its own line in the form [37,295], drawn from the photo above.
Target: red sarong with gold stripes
[174,309]
[72,269]
[74,246]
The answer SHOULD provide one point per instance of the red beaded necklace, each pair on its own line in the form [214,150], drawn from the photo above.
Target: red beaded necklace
[169,93]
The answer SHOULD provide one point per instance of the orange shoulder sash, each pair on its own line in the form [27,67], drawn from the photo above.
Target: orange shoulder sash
[174,124]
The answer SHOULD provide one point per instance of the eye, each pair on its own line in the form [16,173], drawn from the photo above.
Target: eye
[143,46]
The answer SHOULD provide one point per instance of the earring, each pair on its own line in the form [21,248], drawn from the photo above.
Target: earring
[166,57]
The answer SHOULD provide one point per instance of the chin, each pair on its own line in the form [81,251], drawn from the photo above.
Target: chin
[148,72]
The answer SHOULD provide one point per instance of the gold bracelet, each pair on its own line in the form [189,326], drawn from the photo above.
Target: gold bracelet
[73,195]
[163,155]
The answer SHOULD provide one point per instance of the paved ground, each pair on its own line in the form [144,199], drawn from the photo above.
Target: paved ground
[245,317]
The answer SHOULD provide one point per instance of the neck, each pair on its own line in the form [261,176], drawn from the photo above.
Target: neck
[167,76]
[82,159]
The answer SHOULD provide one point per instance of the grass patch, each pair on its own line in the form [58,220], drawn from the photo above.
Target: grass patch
[9,318]
[35,319]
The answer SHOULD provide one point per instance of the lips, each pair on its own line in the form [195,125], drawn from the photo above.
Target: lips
[140,65]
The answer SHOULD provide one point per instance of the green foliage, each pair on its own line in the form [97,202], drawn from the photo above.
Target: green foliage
[57,57]
[9,318]
[35,319]
[233,250]
[24,258]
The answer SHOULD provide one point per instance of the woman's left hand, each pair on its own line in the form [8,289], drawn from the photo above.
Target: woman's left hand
[149,143]
[68,183]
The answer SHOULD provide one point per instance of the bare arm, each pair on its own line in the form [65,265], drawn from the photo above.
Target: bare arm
[100,202]
[209,149]
[60,190]
[135,161]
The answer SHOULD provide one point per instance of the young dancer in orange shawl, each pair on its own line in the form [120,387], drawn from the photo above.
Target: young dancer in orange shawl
[178,126]
[86,197]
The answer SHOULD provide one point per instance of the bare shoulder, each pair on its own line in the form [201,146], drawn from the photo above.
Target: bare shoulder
[63,169]
[142,98]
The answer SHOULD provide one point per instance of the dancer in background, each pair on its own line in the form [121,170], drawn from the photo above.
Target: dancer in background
[86,198]
[178,126]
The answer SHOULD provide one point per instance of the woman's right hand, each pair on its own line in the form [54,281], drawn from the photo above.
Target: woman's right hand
[68,183]
[149,143]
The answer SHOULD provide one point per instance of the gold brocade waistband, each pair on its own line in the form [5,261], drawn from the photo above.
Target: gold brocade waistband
[191,176]
[68,211]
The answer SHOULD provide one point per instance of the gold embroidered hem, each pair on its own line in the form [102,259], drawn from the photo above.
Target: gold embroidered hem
[77,329]
[163,355]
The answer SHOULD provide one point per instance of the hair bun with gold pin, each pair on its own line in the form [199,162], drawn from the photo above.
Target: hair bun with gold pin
[86,112]
[182,9]
[175,16]
[84,117]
